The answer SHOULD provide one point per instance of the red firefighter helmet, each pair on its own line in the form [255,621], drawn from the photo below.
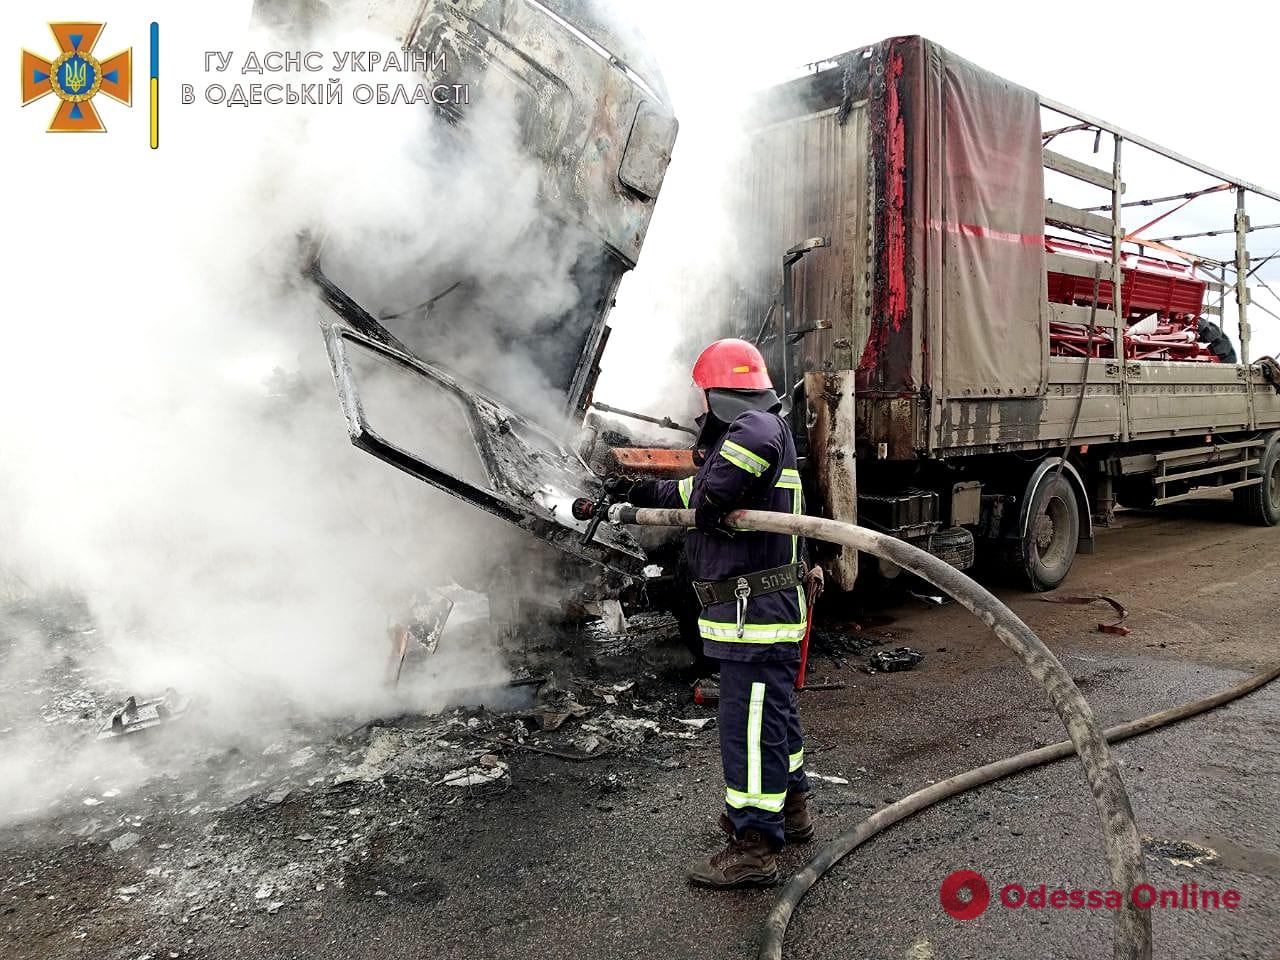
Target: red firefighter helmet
[731,365]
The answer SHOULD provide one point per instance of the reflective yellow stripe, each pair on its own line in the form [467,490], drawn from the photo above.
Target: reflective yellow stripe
[768,802]
[733,458]
[789,479]
[755,721]
[685,489]
[738,448]
[795,761]
[751,633]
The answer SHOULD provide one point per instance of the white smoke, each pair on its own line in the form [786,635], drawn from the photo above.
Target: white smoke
[172,449]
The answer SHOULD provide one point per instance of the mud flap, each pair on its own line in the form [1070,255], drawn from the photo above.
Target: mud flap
[425,421]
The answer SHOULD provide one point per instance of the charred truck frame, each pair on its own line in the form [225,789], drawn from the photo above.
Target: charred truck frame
[967,363]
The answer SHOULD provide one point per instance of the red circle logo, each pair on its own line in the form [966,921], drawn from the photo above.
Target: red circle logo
[964,881]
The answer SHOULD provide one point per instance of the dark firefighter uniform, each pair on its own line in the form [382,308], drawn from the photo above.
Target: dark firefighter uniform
[751,465]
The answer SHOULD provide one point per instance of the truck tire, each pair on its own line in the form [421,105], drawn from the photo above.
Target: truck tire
[1041,558]
[1260,504]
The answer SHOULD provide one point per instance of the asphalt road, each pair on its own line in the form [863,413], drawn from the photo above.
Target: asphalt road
[584,860]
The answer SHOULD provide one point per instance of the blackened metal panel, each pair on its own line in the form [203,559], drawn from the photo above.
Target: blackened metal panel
[499,461]
[648,151]
[578,106]
[583,95]
[807,177]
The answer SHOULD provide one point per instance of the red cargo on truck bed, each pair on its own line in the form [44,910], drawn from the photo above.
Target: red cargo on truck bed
[1152,287]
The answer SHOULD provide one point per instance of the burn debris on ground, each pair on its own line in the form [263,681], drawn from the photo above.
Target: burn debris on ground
[417,635]
[834,643]
[274,824]
[134,715]
[893,661]
[1181,852]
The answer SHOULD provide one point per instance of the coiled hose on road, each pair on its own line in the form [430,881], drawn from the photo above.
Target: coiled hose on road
[775,925]
[1131,935]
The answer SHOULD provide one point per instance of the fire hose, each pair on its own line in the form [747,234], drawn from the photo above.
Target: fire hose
[775,925]
[1131,934]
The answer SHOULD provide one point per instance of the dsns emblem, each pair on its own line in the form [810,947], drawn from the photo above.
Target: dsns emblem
[76,76]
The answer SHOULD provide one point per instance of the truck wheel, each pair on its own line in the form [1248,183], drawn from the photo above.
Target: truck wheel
[1261,504]
[1042,557]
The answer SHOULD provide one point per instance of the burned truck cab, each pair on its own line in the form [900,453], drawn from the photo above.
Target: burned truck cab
[591,123]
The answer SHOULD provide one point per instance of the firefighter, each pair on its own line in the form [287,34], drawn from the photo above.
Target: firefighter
[752,591]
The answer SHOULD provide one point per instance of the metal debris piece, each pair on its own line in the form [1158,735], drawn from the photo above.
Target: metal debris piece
[697,724]
[633,724]
[590,747]
[555,704]
[891,661]
[825,778]
[609,610]
[1113,628]
[134,715]
[552,717]
[428,613]
[1184,853]
[627,731]
[126,841]
[488,770]
[277,797]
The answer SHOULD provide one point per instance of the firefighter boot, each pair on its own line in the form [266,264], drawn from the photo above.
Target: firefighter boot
[798,824]
[747,861]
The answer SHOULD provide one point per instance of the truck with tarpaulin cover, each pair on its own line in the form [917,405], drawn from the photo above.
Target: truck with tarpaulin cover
[966,363]
[980,364]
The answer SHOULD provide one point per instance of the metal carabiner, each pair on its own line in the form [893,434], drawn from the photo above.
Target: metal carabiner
[742,590]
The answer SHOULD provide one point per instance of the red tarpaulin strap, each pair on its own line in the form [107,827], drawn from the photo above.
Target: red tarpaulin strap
[1133,235]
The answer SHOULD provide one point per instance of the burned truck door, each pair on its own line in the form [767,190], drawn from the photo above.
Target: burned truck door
[434,426]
